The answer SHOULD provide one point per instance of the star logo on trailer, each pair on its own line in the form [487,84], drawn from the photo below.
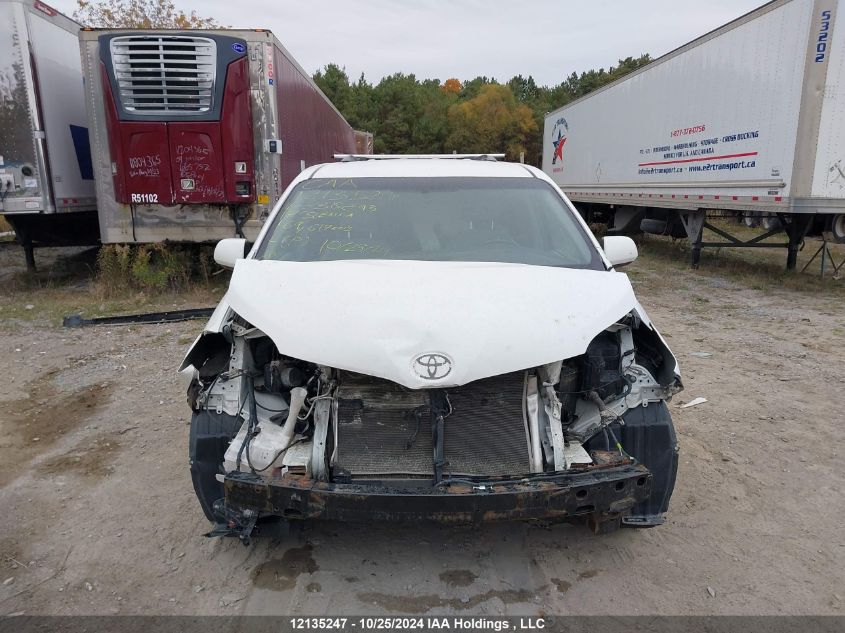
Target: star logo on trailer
[559,134]
[432,366]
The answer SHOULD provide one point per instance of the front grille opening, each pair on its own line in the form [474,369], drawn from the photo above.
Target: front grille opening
[384,429]
[164,74]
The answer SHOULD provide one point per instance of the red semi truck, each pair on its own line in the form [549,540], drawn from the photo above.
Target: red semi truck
[195,134]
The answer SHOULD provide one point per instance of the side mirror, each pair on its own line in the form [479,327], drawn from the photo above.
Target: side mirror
[620,250]
[229,251]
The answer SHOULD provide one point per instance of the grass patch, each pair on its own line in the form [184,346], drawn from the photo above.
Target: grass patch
[757,268]
[152,268]
[70,281]
[50,305]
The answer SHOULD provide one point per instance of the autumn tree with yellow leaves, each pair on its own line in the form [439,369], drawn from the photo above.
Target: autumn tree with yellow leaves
[138,14]
[492,121]
[408,115]
[452,86]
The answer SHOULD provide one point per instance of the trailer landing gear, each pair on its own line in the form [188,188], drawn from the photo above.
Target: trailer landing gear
[29,254]
[826,255]
[23,235]
[795,225]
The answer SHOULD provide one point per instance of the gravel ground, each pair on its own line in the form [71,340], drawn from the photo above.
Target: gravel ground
[99,516]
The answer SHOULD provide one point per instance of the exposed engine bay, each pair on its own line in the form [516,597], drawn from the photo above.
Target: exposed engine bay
[307,423]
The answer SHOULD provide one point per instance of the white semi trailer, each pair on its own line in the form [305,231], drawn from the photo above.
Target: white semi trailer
[46,177]
[747,118]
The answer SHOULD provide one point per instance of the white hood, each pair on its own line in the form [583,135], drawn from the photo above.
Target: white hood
[379,317]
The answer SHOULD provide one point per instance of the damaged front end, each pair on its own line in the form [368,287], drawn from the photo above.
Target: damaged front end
[588,437]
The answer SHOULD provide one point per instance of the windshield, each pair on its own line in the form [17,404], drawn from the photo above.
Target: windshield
[514,220]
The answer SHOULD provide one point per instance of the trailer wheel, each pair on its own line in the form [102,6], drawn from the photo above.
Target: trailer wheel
[210,435]
[770,222]
[837,227]
[751,219]
[658,226]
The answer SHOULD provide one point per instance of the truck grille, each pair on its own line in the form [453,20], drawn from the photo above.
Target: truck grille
[161,74]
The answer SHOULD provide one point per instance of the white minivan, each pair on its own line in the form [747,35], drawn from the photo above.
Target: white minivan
[430,338]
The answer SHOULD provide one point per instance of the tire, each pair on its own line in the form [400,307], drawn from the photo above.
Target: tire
[770,222]
[653,226]
[209,438]
[837,227]
[751,219]
[657,226]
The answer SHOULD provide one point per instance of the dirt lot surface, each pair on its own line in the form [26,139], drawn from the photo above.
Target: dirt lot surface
[99,516]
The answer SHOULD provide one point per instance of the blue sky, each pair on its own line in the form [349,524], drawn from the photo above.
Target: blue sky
[548,39]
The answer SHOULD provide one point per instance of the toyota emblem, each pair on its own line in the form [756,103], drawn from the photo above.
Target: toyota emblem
[432,366]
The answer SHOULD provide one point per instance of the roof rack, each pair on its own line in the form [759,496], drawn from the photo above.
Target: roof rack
[346,158]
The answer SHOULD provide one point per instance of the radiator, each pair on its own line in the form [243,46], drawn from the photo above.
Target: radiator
[485,434]
[384,429]
[376,426]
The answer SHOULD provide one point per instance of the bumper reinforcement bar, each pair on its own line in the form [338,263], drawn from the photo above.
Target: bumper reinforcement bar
[603,494]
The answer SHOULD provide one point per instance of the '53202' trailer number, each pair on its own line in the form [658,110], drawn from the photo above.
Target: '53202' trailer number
[144,197]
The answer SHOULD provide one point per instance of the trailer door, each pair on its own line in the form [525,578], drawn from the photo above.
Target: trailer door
[196,162]
[148,177]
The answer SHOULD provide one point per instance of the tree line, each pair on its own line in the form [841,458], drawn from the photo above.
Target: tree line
[411,116]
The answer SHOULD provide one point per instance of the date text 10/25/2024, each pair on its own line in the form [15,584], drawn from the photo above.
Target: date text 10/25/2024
[434,623]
